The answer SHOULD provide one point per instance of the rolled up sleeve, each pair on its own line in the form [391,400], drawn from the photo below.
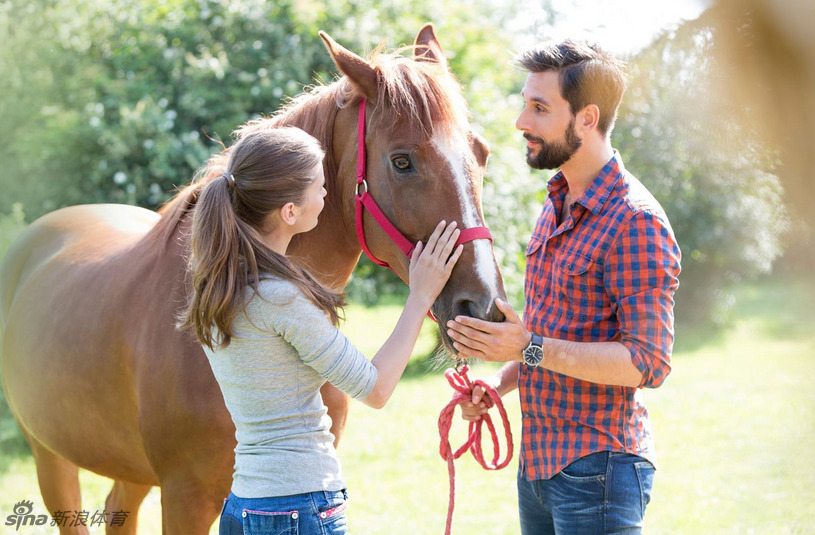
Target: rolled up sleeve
[641,274]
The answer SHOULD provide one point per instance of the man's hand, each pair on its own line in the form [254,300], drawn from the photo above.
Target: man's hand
[473,410]
[486,340]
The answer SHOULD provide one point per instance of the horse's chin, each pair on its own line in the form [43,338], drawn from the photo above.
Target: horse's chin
[445,354]
[445,348]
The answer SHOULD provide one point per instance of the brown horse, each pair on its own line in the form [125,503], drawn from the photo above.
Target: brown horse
[94,369]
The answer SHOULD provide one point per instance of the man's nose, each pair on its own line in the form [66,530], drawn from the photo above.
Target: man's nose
[521,122]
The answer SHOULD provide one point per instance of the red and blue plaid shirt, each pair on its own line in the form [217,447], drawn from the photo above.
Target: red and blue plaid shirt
[607,272]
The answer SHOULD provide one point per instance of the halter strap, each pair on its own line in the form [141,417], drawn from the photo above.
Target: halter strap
[365,201]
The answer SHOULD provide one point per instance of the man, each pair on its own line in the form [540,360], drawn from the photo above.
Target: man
[602,267]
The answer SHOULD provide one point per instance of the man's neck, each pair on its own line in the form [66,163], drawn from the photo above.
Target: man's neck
[581,170]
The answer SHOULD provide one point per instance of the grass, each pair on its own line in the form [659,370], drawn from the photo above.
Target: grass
[734,424]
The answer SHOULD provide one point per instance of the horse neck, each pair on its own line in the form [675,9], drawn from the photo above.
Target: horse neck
[330,251]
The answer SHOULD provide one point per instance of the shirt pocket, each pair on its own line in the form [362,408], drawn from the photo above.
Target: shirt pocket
[534,265]
[535,243]
[576,283]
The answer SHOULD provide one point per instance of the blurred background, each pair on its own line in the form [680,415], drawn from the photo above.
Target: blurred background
[122,101]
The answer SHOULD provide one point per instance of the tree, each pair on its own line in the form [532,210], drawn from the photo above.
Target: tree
[703,159]
[123,106]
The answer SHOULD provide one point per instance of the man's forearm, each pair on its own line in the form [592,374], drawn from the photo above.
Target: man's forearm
[606,363]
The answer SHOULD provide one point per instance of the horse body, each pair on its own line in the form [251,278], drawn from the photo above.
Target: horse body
[94,384]
[72,251]
[96,372]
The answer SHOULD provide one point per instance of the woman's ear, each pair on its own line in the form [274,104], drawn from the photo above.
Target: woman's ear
[288,215]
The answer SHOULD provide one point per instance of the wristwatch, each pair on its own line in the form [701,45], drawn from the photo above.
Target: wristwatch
[533,354]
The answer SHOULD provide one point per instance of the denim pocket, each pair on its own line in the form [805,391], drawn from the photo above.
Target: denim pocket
[228,524]
[270,523]
[332,516]
[645,476]
[592,467]
[579,490]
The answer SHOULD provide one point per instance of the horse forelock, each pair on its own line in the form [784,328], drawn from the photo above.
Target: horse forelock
[422,92]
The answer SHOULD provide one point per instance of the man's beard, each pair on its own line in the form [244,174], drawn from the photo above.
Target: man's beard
[553,155]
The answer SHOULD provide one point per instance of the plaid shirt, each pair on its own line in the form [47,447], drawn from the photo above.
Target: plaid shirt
[608,272]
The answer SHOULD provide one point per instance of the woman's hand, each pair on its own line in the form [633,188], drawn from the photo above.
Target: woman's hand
[430,267]
[431,264]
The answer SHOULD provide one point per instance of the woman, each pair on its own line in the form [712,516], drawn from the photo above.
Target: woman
[269,330]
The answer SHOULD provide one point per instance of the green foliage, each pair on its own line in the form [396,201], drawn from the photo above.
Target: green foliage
[114,102]
[12,225]
[122,102]
[699,155]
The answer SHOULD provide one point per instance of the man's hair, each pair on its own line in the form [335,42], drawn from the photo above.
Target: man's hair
[588,75]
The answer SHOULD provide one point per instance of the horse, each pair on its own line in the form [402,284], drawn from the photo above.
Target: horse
[95,370]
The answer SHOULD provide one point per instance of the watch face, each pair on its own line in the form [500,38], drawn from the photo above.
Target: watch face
[533,355]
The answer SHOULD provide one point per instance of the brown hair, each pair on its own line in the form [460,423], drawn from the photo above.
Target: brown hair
[588,75]
[267,168]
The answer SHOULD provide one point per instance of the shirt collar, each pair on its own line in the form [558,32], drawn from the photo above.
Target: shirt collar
[600,188]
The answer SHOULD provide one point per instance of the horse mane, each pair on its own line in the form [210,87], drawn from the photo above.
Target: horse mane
[423,93]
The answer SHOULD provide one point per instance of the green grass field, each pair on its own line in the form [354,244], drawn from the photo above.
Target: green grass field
[735,429]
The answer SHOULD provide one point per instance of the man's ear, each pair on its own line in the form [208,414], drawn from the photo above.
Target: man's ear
[589,117]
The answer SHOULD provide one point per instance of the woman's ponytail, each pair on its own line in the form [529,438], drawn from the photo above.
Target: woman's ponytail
[267,168]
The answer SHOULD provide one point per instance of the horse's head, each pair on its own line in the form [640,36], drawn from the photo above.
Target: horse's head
[424,164]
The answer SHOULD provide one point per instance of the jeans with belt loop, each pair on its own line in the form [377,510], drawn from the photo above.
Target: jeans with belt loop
[313,513]
[601,493]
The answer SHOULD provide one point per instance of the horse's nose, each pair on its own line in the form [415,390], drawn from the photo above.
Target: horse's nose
[482,308]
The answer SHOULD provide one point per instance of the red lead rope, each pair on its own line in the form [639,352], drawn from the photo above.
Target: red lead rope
[464,387]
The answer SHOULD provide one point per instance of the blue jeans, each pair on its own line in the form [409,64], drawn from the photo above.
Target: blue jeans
[600,493]
[314,513]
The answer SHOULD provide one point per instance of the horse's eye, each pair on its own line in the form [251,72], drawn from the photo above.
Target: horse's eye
[402,163]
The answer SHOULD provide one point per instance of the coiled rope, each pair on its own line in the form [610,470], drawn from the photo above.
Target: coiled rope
[463,387]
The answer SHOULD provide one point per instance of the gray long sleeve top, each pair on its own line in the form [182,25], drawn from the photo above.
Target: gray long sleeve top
[283,350]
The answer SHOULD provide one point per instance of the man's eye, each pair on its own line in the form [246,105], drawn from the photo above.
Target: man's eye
[401,163]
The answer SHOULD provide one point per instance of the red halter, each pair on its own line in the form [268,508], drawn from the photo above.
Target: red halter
[364,200]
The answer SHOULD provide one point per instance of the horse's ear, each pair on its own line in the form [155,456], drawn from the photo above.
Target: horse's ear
[427,47]
[358,71]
